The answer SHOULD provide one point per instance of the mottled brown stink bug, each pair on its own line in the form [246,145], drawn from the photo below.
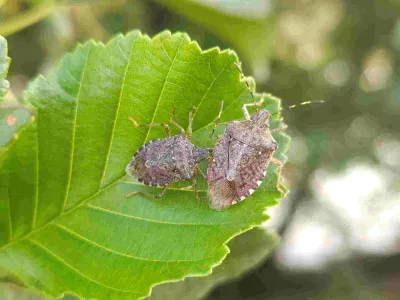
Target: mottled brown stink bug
[240,159]
[241,156]
[163,161]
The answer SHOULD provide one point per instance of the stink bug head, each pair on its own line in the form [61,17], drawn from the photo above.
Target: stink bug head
[261,118]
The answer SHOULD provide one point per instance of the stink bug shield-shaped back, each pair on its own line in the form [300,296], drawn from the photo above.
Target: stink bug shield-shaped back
[240,159]
[161,162]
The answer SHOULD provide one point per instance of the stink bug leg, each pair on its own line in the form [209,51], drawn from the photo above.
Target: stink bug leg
[162,192]
[278,129]
[166,127]
[189,130]
[194,183]
[139,193]
[147,194]
[278,182]
[244,107]
[173,122]
[217,120]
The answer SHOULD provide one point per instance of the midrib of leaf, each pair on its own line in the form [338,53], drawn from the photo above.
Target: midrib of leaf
[73,134]
[163,87]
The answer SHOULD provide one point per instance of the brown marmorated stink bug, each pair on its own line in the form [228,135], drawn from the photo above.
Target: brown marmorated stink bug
[241,156]
[160,162]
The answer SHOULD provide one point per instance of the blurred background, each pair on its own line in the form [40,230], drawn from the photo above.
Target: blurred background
[340,224]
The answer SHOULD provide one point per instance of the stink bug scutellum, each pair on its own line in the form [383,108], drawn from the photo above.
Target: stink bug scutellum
[241,156]
[163,161]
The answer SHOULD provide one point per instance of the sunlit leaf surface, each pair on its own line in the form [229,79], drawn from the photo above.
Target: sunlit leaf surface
[66,225]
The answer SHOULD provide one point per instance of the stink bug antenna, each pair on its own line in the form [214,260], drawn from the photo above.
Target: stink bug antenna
[300,104]
[217,120]
[238,66]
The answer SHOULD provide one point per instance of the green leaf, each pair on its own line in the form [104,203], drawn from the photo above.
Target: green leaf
[66,225]
[247,251]
[11,121]
[4,65]
[13,292]
[244,24]
[12,118]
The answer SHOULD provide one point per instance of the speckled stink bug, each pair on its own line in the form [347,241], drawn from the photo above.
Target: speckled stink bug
[163,161]
[240,159]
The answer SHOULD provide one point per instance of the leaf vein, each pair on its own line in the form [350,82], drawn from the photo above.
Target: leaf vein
[162,90]
[76,270]
[73,135]
[85,239]
[26,236]
[122,52]
[162,45]
[116,116]
[208,90]
[213,121]
[159,221]
[168,189]
[37,183]
[9,208]
[191,76]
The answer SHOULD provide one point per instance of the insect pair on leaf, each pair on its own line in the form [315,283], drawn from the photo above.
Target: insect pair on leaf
[235,170]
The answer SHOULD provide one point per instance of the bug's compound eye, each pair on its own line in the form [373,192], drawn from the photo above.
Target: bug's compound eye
[274,146]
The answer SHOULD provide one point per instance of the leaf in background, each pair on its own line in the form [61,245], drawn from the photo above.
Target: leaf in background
[13,292]
[247,251]
[66,225]
[11,120]
[246,25]
[255,9]
[4,65]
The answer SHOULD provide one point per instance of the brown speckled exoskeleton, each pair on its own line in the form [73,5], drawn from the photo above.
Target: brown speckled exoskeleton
[161,162]
[240,158]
